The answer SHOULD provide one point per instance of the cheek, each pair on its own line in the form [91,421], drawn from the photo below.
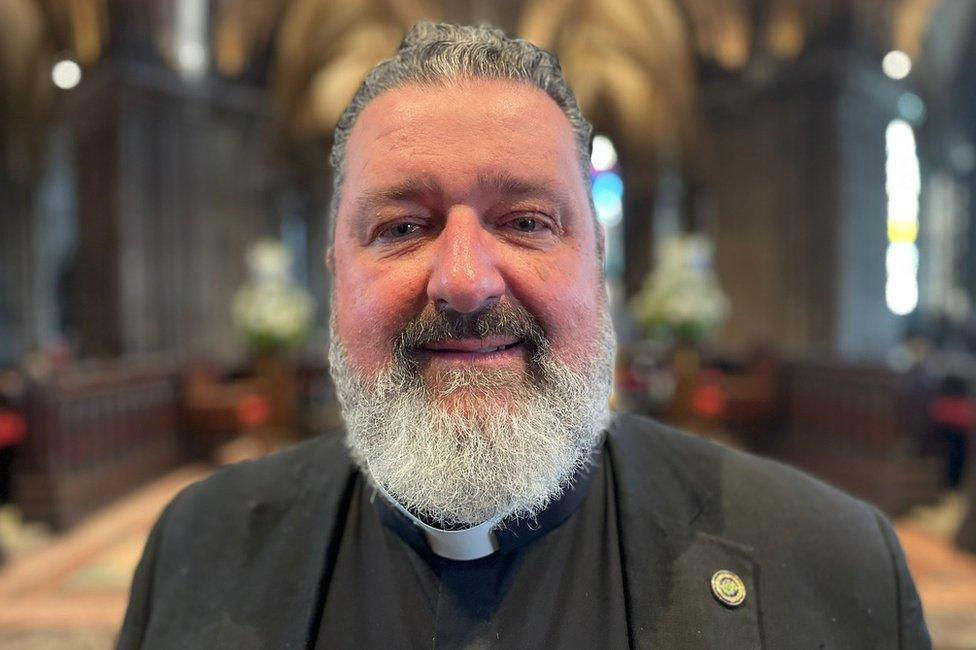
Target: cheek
[568,300]
[575,324]
[372,305]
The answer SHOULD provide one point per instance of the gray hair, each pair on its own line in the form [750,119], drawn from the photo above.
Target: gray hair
[433,54]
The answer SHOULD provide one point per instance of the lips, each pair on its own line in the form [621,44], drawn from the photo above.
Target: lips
[473,346]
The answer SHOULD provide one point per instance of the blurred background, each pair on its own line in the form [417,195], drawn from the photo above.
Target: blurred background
[785,184]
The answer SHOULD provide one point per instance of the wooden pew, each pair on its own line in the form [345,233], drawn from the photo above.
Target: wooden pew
[862,429]
[95,433]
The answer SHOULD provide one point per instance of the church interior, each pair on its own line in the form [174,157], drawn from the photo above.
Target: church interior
[786,192]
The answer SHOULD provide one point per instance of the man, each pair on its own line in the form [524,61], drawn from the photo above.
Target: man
[484,495]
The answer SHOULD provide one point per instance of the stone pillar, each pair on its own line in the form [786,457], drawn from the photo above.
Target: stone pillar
[799,181]
[16,261]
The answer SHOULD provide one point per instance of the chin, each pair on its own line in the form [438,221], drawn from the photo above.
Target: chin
[472,390]
[479,405]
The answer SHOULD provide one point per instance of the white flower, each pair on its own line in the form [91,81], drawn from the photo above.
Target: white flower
[270,309]
[682,292]
[269,260]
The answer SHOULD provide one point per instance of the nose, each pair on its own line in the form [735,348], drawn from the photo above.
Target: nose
[465,275]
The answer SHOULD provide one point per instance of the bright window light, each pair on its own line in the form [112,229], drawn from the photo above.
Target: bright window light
[902,184]
[604,155]
[901,294]
[191,38]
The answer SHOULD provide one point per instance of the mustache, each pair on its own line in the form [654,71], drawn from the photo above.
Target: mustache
[500,319]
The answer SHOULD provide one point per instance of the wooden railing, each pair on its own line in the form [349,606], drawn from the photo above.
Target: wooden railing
[93,435]
[869,408]
[861,428]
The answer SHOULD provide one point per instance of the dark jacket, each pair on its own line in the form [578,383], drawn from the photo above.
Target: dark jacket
[239,560]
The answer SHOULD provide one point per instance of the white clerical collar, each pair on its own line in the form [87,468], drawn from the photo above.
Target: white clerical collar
[468,544]
[500,534]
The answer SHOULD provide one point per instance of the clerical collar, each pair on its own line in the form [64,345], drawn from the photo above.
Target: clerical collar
[491,536]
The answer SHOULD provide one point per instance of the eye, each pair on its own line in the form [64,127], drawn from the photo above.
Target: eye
[526,224]
[399,230]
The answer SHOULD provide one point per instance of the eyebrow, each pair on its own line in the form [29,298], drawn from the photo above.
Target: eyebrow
[409,190]
[507,184]
[504,183]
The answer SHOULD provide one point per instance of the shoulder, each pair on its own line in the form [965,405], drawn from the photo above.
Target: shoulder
[289,475]
[740,479]
[824,562]
[778,511]
[268,520]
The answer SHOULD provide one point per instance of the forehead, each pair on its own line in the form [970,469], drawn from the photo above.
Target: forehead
[461,131]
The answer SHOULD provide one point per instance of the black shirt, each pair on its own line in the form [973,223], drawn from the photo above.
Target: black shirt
[556,581]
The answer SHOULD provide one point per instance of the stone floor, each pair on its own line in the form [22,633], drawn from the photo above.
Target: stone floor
[69,592]
[945,577]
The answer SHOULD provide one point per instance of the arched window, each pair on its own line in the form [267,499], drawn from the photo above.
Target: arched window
[902,185]
[607,186]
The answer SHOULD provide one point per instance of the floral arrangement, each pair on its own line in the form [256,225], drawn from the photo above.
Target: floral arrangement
[270,310]
[681,298]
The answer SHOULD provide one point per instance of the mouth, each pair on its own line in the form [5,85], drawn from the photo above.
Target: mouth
[495,349]
[473,345]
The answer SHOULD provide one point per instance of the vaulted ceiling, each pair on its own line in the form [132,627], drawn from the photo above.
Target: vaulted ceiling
[637,62]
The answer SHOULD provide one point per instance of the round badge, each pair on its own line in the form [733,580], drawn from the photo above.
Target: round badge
[728,588]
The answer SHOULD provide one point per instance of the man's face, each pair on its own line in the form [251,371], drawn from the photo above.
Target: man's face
[472,349]
[456,199]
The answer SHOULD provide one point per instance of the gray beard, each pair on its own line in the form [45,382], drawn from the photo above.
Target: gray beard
[484,444]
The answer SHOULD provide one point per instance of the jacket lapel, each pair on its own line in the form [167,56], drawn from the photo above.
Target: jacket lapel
[672,544]
[288,553]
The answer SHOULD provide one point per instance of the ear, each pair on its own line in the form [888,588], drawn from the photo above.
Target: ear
[330,260]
